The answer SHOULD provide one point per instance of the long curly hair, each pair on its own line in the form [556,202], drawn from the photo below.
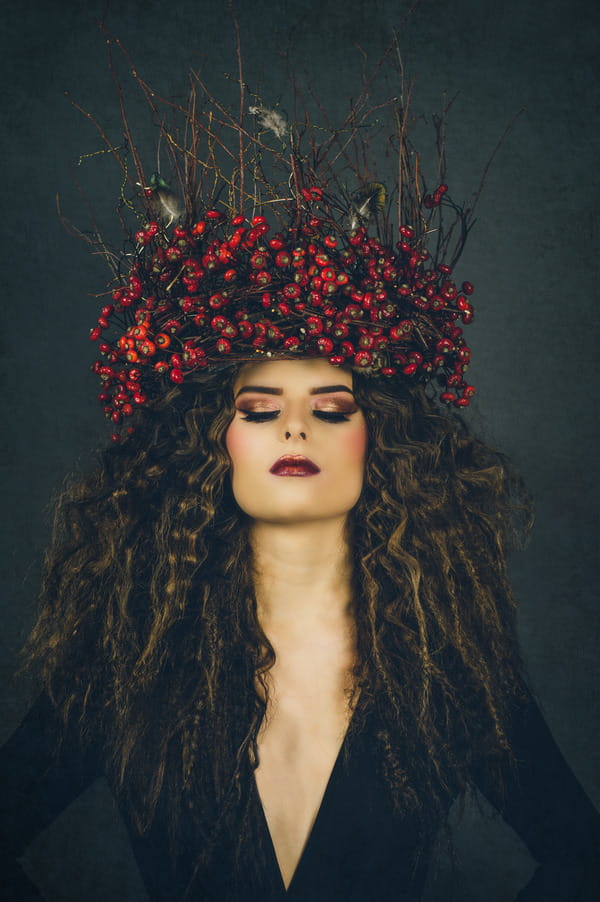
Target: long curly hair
[148,632]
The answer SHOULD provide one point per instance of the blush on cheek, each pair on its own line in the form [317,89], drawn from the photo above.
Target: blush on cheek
[234,442]
[356,442]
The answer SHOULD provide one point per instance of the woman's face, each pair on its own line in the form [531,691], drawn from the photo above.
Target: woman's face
[297,442]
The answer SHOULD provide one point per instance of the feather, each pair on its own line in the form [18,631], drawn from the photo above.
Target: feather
[270,120]
[366,203]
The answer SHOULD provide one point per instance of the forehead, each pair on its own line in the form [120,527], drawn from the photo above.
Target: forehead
[292,374]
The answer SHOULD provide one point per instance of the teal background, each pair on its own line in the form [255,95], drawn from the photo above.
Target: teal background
[532,257]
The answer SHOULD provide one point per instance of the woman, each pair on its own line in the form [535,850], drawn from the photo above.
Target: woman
[264,593]
[277,615]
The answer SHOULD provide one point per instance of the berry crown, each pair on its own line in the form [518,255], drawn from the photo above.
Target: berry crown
[234,265]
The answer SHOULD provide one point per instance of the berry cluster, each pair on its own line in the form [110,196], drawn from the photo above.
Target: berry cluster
[222,288]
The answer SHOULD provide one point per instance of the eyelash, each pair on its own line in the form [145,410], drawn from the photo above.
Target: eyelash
[263,416]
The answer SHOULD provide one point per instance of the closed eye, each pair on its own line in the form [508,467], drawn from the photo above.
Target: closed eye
[263,416]
[260,416]
[331,416]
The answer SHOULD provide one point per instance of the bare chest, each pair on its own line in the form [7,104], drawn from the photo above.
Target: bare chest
[299,743]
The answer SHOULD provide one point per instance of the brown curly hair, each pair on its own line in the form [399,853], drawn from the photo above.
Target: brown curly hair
[148,633]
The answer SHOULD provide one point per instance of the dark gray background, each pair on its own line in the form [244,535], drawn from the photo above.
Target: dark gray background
[532,257]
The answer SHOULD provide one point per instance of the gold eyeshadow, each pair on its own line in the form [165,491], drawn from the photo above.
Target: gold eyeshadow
[337,407]
[321,404]
[259,404]
[259,411]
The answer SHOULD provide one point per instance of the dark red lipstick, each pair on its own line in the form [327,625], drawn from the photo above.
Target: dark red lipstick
[294,465]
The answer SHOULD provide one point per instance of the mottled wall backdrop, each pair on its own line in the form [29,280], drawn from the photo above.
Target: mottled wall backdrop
[533,257]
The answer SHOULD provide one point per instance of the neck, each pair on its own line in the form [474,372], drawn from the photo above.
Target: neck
[302,573]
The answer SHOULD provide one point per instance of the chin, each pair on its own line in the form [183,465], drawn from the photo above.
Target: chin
[288,506]
[295,514]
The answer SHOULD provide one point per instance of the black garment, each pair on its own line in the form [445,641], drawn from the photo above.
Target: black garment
[359,848]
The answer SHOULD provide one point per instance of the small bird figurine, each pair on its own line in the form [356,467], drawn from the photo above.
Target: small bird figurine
[163,201]
[366,204]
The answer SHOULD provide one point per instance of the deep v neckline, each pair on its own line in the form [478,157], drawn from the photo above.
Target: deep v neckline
[318,818]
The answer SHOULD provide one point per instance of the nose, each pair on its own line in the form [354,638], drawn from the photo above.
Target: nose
[288,435]
[294,425]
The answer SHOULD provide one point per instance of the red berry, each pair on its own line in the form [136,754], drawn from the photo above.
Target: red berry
[324,344]
[315,325]
[258,260]
[218,322]
[262,278]
[283,259]
[139,332]
[291,291]
[147,348]
[402,330]
[229,330]
[363,359]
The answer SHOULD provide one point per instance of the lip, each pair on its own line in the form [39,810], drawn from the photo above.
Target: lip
[294,465]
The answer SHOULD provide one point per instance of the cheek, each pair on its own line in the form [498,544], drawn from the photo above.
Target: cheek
[248,455]
[357,444]
[246,447]
[353,450]
[240,453]
[234,442]
[349,458]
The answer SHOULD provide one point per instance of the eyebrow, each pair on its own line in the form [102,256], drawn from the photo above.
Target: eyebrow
[268,390]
